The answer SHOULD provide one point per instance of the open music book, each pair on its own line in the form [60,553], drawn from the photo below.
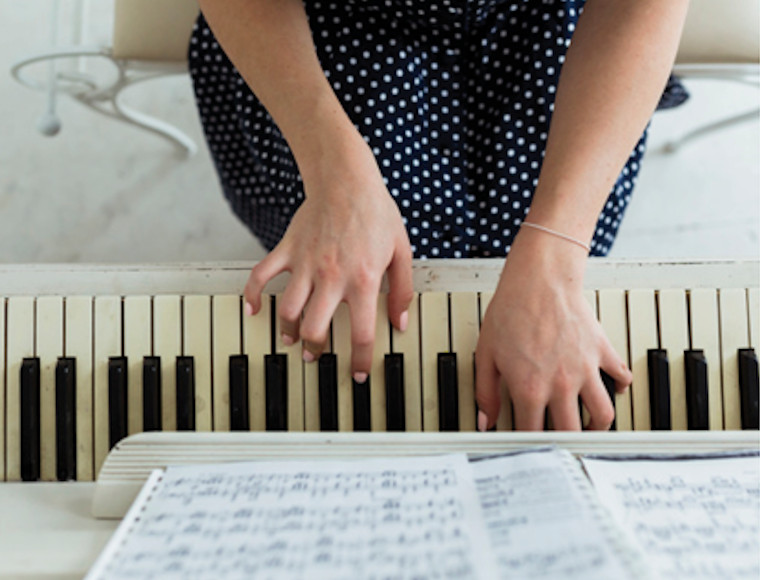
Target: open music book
[695,517]
[524,514]
[530,514]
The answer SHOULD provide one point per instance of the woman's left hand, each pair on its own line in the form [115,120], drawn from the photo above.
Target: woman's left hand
[541,338]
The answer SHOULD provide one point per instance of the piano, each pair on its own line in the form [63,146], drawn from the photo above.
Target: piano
[90,355]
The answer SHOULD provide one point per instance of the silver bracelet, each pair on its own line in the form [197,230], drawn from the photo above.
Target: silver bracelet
[559,235]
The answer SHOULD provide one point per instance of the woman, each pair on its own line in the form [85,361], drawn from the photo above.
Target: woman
[385,130]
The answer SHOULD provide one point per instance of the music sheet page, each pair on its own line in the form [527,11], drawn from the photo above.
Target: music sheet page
[694,518]
[544,521]
[396,518]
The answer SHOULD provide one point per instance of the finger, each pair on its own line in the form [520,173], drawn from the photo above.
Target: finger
[566,416]
[400,288]
[529,410]
[363,311]
[272,265]
[487,392]
[291,306]
[315,325]
[599,406]
[613,365]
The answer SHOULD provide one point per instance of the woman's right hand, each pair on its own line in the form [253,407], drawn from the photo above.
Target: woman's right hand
[341,241]
[348,232]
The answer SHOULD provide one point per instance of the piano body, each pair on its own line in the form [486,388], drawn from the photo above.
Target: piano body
[90,355]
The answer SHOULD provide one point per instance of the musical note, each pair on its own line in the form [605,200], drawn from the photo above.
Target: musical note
[544,521]
[400,518]
[696,518]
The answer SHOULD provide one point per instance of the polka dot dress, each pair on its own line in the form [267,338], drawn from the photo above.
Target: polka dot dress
[453,96]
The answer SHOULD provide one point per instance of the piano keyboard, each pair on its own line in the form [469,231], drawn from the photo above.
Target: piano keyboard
[91,355]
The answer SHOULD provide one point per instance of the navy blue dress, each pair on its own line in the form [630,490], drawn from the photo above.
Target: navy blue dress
[453,96]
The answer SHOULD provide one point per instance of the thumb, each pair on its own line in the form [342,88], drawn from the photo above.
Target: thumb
[272,265]
[613,365]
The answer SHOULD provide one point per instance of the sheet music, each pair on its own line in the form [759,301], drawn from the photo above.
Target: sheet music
[543,520]
[695,518]
[399,518]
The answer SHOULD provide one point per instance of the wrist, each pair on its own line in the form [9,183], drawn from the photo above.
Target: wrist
[540,255]
[325,141]
[567,205]
[557,234]
[339,167]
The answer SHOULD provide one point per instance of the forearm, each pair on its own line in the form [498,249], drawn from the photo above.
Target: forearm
[270,43]
[615,70]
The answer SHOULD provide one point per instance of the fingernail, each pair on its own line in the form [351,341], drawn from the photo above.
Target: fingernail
[482,422]
[287,340]
[308,356]
[403,320]
[248,308]
[360,378]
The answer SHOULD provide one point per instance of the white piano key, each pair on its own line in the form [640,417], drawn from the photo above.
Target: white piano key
[137,344]
[107,343]
[167,344]
[78,345]
[504,420]
[295,377]
[196,338]
[753,302]
[257,342]
[465,323]
[434,326]
[612,316]
[408,344]
[49,346]
[226,335]
[20,322]
[705,333]
[311,391]
[341,337]
[642,324]
[311,397]
[377,374]
[674,337]
[734,334]
[590,297]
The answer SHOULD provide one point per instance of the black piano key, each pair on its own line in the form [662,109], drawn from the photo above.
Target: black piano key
[328,392]
[362,406]
[659,389]
[152,393]
[448,392]
[276,374]
[748,388]
[697,403]
[185,393]
[65,419]
[239,420]
[30,419]
[395,404]
[117,399]
[609,384]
